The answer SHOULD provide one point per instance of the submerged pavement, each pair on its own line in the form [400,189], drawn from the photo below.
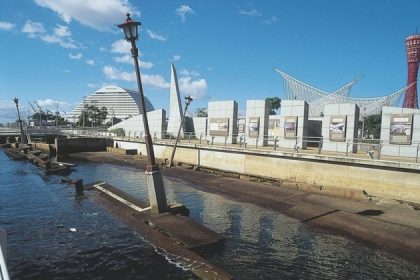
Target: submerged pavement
[389,225]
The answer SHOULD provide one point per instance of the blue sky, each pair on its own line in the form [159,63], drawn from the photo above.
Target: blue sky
[57,51]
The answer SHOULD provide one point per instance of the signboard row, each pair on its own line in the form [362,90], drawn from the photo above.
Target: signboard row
[400,130]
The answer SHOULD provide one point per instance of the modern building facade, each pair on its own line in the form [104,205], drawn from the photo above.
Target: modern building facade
[120,103]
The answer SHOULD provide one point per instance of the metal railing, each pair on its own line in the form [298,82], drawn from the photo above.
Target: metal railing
[361,147]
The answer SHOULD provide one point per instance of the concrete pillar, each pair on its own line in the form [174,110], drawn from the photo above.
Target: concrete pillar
[78,184]
[156,191]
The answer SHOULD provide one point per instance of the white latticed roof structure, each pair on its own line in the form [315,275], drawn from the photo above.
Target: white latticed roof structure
[317,98]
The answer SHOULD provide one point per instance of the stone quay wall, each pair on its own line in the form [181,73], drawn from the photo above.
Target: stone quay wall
[338,175]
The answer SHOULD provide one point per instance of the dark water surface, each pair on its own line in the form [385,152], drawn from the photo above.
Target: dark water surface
[40,216]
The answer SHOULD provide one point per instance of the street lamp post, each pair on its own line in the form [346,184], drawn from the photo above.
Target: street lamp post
[154,180]
[188,101]
[23,139]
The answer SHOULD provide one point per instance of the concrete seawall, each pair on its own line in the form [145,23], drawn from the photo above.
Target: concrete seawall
[46,148]
[341,176]
[66,146]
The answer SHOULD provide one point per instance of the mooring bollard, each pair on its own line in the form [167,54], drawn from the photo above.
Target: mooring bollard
[47,165]
[348,146]
[78,184]
[320,143]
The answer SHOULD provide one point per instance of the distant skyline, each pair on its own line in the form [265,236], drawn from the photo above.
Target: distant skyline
[58,51]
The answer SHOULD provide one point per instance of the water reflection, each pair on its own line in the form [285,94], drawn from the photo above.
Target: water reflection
[263,244]
[260,243]
[52,235]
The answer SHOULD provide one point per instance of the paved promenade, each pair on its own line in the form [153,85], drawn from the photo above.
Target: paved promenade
[389,225]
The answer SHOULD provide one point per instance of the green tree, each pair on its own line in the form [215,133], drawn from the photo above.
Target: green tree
[373,126]
[113,121]
[92,116]
[201,112]
[49,116]
[273,104]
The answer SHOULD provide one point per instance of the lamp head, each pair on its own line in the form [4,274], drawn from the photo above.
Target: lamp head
[188,99]
[130,28]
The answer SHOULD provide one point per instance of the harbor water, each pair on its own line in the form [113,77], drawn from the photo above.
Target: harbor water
[53,234]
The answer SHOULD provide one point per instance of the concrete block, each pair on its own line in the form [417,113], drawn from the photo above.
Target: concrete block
[298,110]
[331,109]
[385,135]
[408,151]
[390,150]
[286,111]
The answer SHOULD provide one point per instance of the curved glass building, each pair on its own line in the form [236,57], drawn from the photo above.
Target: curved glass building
[120,103]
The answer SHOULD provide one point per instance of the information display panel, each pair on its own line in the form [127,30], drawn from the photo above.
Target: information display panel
[219,126]
[338,128]
[273,128]
[290,127]
[254,127]
[401,129]
[241,125]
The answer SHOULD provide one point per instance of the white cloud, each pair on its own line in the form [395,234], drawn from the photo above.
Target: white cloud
[251,13]
[75,56]
[183,10]
[33,29]
[151,80]
[121,46]
[6,26]
[185,72]
[62,31]
[91,85]
[90,62]
[102,49]
[54,39]
[99,14]
[61,35]
[115,74]
[146,64]
[124,59]
[7,111]
[51,104]
[155,80]
[128,59]
[176,57]
[156,36]
[197,89]
[6,104]
[271,20]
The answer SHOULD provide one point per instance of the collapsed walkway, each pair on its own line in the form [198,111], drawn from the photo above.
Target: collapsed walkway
[390,225]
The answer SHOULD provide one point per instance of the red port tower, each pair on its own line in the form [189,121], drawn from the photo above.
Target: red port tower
[412,44]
